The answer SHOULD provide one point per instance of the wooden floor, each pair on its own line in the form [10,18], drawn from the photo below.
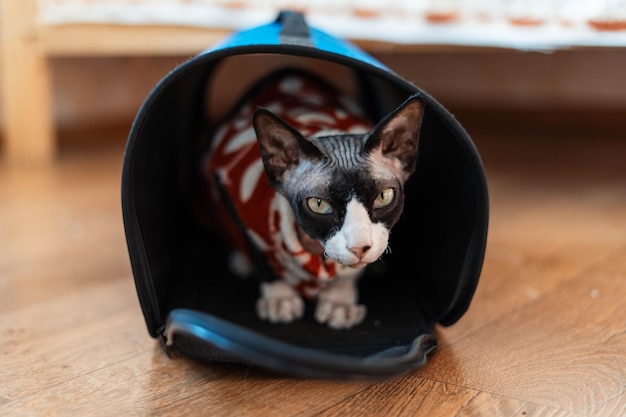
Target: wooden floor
[545,334]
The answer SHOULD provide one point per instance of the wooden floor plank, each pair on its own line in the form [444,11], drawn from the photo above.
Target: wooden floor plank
[545,221]
[421,397]
[566,350]
[27,283]
[149,383]
[45,210]
[61,344]
[67,313]
[413,395]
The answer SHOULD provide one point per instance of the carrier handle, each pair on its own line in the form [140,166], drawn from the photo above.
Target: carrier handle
[295,30]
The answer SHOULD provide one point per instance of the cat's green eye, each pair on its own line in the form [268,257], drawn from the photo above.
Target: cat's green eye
[319,206]
[385,198]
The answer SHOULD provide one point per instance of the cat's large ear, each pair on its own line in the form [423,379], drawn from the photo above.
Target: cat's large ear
[282,146]
[397,135]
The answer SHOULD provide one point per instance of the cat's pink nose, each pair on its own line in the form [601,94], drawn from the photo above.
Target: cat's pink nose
[359,251]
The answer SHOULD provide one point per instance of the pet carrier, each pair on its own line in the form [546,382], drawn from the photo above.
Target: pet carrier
[200,310]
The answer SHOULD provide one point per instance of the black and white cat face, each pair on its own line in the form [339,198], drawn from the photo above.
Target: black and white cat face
[346,190]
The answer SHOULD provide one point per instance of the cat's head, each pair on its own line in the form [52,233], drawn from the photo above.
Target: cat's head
[346,190]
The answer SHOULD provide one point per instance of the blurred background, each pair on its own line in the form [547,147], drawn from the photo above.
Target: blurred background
[75,72]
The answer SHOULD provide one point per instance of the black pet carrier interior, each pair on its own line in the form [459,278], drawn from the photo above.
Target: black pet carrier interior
[194,304]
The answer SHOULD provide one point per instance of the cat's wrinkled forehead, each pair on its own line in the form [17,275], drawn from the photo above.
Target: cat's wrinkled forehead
[342,150]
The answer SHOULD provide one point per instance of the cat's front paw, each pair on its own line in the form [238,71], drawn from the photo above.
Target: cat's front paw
[279,303]
[280,309]
[339,315]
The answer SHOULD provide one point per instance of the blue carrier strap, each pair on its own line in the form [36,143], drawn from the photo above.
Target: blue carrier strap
[291,30]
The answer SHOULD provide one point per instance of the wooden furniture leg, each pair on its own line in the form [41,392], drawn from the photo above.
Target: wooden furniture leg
[25,86]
